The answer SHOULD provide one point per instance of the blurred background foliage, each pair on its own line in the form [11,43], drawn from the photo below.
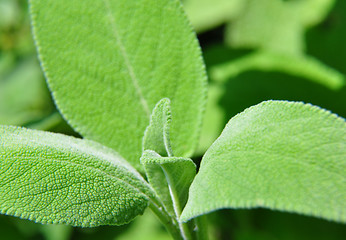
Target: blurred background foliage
[254,50]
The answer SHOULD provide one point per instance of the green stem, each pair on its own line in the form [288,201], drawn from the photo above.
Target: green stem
[183,227]
[178,230]
[166,220]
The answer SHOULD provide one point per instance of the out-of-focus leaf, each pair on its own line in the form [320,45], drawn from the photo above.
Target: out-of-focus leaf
[147,227]
[276,25]
[46,123]
[214,118]
[268,24]
[6,62]
[56,232]
[23,95]
[9,13]
[302,66]
[314,11]
[206,14]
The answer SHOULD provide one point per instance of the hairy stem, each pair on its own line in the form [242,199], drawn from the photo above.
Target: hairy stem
[166,220]
[183,227]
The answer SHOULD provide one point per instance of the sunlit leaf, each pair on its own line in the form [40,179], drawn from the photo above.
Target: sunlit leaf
[279,155]
[52,178]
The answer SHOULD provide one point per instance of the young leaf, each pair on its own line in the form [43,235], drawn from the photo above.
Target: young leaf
[52,178]
[280,155]
[109,62]
[156,136]
[171,178]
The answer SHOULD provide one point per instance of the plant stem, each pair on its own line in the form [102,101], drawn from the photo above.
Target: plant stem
[183,227]
[166,220]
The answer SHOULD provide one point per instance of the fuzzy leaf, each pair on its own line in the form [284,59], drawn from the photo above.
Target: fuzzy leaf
[109,62]
[171,178]
[52,178]
[156,136]
[280,155]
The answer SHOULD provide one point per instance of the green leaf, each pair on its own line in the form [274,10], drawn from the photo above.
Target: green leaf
[170,177]
[280,155]
[109,62]
[302,66]
[156,136]
[52,178]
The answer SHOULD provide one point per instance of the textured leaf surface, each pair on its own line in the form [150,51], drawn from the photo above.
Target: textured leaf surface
[280,155]
[156,136]
[109,62]
[171,178]
[52,178]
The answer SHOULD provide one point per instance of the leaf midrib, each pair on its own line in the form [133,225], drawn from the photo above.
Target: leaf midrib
[127,62]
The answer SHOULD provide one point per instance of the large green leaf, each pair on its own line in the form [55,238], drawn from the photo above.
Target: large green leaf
[52,178]
[280,155]
[109,62]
